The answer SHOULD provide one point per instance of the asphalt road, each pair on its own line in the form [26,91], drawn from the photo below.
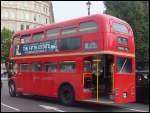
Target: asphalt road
[28,103]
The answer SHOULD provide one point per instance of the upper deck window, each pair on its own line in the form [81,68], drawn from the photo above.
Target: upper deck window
[122,40]
[88,27]
[38,36]
[52,33]
[120,28]
[69,31]
[16,40]
[90,45]
[72,43]
[25,39]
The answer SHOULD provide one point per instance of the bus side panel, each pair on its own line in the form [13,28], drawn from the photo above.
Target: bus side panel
[75,80]
[124,84]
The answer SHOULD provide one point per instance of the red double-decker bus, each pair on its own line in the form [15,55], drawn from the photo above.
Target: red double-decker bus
[85,59]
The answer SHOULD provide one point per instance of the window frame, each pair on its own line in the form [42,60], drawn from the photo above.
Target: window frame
[30,36]
[33,70]
[90,42]
[87,61]
[22,71]
[122,38]
[116,31]
[22,27]
[66,62]
[41,39]
[80,44]
[49,63]
[68,28]
[131,61]
[97,27]
[53,37]
[14,43]
[27,27]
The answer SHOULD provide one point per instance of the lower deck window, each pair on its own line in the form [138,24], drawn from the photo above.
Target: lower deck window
[24,67]
[87,66]
[50,67]
[67,67]
[36,67]
[124,65]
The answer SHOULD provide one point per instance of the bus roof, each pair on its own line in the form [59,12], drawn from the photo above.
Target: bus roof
[69,23]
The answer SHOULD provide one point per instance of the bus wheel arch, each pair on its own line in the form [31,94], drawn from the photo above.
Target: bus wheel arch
[66,94]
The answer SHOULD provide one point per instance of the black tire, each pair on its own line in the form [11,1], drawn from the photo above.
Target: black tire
[12,89]
[66,95]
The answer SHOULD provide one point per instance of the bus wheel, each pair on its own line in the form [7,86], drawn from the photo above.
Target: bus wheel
[12,89]
[66,95]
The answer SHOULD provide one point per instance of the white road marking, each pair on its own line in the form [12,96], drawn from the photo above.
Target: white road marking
[11,107]
[136,110]
[51,108]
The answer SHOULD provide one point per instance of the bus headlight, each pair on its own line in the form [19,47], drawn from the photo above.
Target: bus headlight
[124,94]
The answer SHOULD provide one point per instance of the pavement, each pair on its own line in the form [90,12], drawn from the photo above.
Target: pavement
[27,103]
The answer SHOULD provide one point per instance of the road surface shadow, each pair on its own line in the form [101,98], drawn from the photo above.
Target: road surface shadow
[79,105]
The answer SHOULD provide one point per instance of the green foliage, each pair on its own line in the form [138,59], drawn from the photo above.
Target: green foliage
[6,36]
[136,13]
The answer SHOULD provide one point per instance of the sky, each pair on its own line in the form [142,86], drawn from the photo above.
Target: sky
[65,10]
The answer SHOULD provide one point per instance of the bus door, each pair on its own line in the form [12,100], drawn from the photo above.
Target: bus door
[103,77]
[91,74]
[124,79]
[87,75]
[96,75]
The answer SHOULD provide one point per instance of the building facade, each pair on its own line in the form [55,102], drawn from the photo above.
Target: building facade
[22,15]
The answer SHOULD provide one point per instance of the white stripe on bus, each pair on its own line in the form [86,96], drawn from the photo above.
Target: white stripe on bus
[80,53]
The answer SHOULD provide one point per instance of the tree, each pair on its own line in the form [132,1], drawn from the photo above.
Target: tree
[136,13]
[6,36]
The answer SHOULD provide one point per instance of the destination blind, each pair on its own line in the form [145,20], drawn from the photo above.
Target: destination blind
[39,47]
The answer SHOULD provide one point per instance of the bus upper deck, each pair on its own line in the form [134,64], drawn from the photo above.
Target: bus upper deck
[96,34]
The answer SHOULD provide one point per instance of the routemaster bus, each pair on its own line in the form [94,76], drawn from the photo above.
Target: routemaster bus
[90,58]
